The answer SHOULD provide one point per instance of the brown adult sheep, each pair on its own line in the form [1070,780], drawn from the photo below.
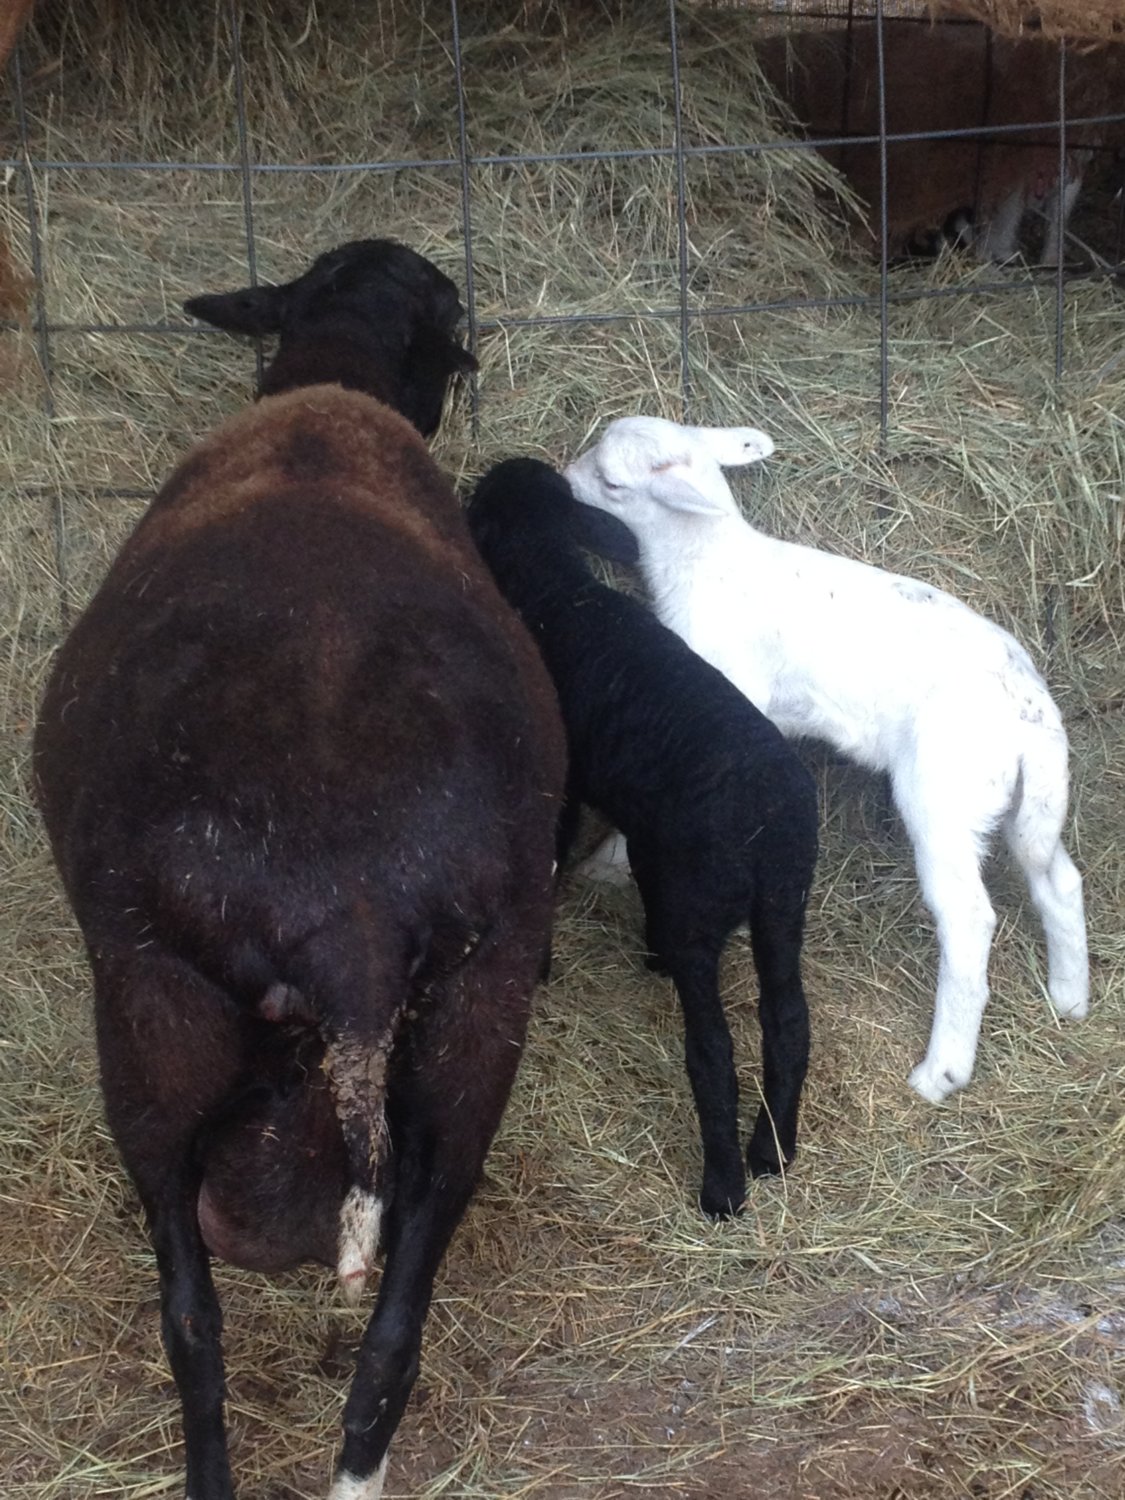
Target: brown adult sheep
[300,766]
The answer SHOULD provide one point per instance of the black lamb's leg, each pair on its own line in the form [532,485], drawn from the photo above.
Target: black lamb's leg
[709,1054]
[678,949]
[775,935]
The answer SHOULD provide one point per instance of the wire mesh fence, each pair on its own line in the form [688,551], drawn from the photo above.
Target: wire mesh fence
[30,168]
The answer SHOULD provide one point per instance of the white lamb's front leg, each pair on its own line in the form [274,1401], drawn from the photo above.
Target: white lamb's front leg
[609,862]
[949,874]
[962,994]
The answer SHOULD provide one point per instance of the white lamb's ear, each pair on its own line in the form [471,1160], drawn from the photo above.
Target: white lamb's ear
[682,488]
[731,447]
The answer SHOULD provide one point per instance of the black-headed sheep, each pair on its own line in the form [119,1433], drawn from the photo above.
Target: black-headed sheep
[300,766]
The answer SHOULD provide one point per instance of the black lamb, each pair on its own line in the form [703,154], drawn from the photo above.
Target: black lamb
[718,813]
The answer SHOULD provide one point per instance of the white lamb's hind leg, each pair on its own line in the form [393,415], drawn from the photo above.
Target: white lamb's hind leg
[1033,831]
[609,862]
[1058,899]
[1055,887]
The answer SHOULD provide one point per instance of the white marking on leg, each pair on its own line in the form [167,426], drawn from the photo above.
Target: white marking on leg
[360,1216]
[348,1487]
[1000,238]
[1053,240]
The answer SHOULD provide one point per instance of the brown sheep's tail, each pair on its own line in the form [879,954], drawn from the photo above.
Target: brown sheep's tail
[357,1074]
[355,978]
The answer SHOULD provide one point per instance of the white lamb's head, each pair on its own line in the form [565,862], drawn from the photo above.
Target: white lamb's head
[642,467]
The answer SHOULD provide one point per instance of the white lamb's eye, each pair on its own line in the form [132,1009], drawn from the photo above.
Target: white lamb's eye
[609,484]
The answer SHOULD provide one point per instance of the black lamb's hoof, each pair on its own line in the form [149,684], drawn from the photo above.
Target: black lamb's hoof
[764,1162]
[764,1155]
[764,1166]
[723,1202]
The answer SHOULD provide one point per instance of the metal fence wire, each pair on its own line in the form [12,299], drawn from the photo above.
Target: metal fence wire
[33,168]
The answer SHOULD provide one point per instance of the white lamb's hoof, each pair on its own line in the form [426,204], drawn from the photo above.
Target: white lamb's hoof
[935,1082]
[609,862]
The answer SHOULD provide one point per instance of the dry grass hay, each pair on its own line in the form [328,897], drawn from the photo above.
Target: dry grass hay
[929,1306]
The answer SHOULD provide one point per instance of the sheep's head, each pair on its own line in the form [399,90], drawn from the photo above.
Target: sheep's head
[372,314]
[643,466]
[523,496]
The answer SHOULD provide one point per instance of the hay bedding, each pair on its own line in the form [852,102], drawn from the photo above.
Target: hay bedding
[931,1303]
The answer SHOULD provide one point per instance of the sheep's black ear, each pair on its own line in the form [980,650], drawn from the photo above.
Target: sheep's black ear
[604,534]
[464,361]
[433,359]
[254,310]
[438,351]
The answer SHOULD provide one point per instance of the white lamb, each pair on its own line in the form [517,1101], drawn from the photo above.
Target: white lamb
[897,675]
